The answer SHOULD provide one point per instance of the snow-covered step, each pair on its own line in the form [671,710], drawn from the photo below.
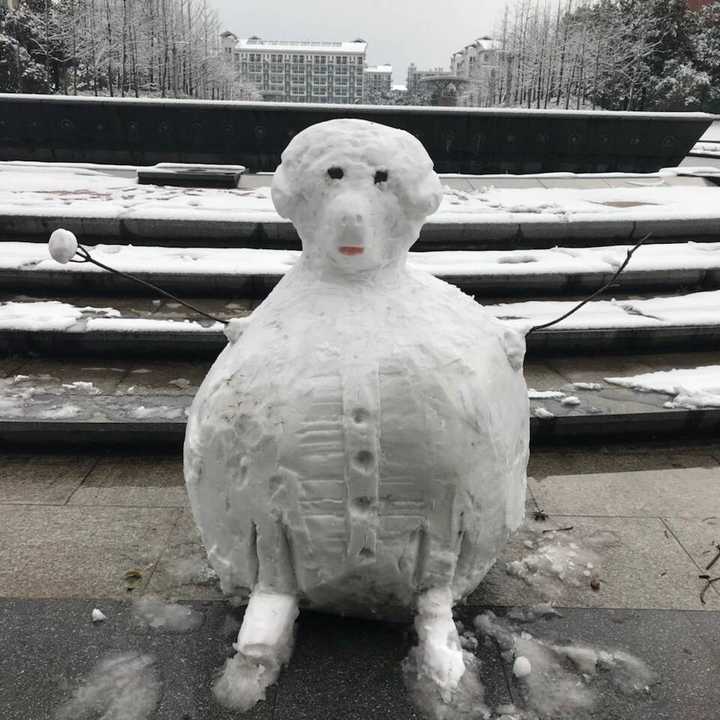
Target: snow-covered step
[52,327]
[252,273]
[477,212]
[80,404]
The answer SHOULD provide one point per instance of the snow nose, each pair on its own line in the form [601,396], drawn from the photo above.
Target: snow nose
[351,227]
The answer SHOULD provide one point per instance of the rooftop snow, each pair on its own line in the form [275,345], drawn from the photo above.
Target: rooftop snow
[257,44]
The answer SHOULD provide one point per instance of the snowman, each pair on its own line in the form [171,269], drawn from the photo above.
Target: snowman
[360,446]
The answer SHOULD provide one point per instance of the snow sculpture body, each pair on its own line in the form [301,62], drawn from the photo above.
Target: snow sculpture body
[362,447]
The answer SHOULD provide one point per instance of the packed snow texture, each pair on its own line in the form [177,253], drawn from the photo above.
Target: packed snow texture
[121,687]
[62,246]
[367,434]
[167,617]
[691,388]
[264,645]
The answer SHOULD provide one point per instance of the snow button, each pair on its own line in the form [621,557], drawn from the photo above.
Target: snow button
[63,245]
[521,667]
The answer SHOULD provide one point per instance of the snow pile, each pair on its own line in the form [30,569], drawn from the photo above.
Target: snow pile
[167,617]
[160,412]
[692,388]
[561,680]
[98,616]
[558,559]
[121,687]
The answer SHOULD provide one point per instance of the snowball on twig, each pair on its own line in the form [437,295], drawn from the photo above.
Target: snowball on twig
[62,245]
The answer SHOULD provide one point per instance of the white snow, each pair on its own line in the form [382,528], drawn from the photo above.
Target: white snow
[65,191]
[98,616]
[543,413]
[558,560]
[570,401]
[243,261]
[593,386]
[264,645]
[62,246]
[120,687]
[691,388]
[158,412]
[545,394]
[563,680]
[521,667]
[167,617]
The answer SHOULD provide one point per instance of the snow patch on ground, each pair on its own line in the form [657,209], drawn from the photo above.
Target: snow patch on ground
[167,617]
[121,687]
[691,388]
[561,680]
[557,559]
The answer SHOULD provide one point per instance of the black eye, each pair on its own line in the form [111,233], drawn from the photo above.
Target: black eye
[335,173]
[381,176]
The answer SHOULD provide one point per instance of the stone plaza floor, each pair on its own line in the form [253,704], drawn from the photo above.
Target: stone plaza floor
[76,532]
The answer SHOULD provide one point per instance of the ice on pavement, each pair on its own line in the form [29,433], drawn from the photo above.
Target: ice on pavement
[98,615]
[167,617]
[120,687]
[691,388]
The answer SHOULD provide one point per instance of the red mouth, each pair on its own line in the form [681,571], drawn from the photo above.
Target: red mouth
[351,250]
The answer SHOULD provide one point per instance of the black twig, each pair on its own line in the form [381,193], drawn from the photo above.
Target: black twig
[709,582]
[87,258]
[562,529]
[607,285]
[715,559]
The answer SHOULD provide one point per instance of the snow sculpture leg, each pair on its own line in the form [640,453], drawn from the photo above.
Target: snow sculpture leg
[439,654]
[263,646]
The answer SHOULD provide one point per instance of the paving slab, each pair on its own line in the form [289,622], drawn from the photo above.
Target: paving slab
[132,482]
[80,551]
[640,565]
[41,479]
[183,572]
[690,492]
[700,538]
[341,668]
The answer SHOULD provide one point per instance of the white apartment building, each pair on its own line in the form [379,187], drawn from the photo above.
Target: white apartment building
[479,64]
[377,83]
[290,71]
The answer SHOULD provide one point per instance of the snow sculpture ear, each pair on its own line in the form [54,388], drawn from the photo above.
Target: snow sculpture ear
[284,196]
[425,198]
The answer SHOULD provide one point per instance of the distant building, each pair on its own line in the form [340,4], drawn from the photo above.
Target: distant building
[480,64]
[10,4]
[415,77]
[377,83]
[699,4]
[291,71]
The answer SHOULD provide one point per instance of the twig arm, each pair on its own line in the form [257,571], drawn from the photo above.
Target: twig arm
[584,302]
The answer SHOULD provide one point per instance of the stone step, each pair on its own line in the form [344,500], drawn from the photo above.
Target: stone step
[76,404]
[214,272]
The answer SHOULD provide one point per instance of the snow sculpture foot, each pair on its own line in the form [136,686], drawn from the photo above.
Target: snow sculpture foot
[439,656]
[263,646]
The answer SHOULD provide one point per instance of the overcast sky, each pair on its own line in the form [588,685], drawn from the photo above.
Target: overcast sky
[397,31]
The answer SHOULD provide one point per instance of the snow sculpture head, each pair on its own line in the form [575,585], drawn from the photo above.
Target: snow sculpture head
[357,192]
